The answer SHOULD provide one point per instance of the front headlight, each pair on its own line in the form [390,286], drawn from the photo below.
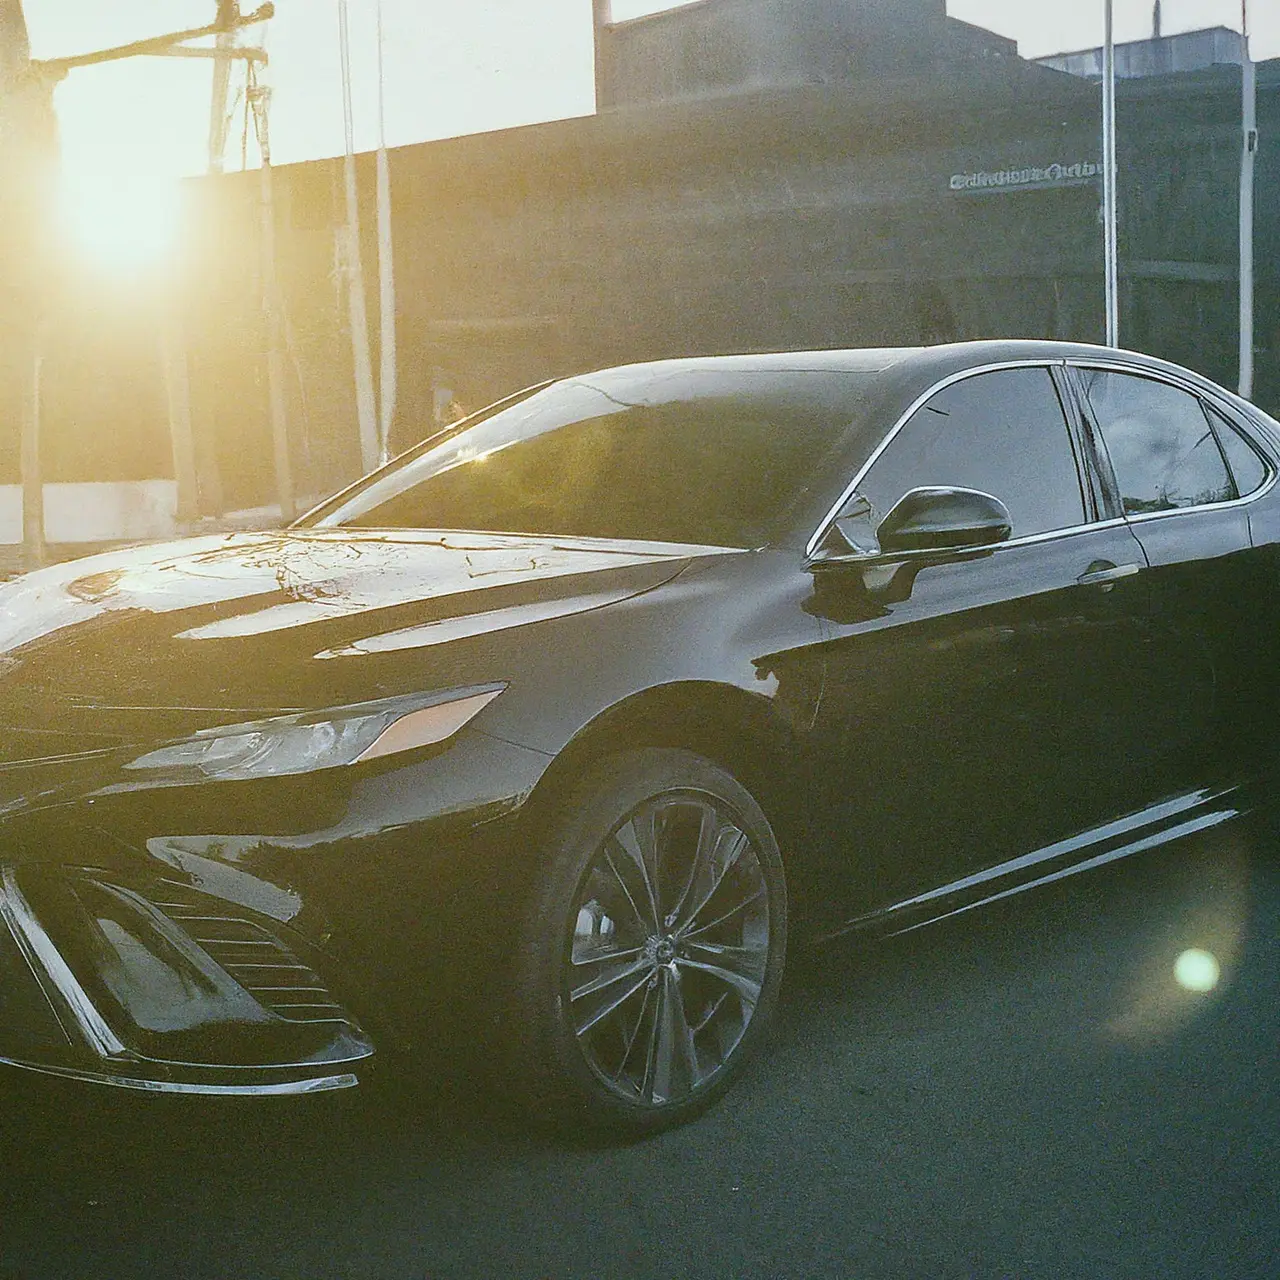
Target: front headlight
[303,743]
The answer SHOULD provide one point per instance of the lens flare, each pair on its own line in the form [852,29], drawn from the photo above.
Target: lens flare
[120,220]
[1197,970]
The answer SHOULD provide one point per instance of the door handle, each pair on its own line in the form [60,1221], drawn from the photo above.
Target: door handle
[1104,574]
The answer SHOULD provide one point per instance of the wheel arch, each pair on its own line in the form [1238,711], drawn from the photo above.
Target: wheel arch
[741,732]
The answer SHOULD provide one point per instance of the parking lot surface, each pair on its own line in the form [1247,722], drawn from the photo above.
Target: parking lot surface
[1025,1091]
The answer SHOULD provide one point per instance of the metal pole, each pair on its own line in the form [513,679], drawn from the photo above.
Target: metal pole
[260,99]
[602,20]
[173,352]
[386,277]
[366,409]
[1248,154]
[1109,177]
[33,545]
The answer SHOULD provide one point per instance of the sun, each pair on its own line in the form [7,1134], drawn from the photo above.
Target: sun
[121,220]
[127,133]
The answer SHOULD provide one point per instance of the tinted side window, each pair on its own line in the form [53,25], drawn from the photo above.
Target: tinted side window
[1003,433]
[1248,469]
[1161,447]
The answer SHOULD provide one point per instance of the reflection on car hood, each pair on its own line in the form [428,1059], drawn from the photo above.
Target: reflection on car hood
[232,621]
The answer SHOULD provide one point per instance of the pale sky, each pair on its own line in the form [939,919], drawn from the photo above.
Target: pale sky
[449,68]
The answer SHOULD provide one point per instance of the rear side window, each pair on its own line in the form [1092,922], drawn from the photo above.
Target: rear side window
[1248,469]
[1162,449]
[1003,433]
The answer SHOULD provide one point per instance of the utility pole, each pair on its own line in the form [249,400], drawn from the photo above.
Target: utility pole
[1248,155]
[170,46]
[225,43]
[28,156]
[366,407]
[28,153]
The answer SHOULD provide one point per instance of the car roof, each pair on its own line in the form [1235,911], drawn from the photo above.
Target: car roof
[908,362]
[898,376]
[909,371]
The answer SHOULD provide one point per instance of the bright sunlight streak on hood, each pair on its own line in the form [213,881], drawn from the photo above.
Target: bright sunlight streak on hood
[287,580]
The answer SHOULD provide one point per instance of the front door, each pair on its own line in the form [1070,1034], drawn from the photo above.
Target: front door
[983,705]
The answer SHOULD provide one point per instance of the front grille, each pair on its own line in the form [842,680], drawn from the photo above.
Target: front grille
[263,965]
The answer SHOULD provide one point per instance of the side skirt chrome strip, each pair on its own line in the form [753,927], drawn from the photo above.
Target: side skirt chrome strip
[1169,820]
[1203,823]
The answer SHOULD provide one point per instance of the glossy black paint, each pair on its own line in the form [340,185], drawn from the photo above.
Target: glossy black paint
[926,727]
[944,520]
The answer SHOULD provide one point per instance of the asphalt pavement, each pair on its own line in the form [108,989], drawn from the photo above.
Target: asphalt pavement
[1026,1091]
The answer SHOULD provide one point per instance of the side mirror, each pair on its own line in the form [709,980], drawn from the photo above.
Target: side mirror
[943,519]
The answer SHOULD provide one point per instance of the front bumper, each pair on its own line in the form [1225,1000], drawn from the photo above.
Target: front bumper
[238,938]
[168,991]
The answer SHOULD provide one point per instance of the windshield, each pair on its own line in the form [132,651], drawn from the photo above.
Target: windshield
[694,456]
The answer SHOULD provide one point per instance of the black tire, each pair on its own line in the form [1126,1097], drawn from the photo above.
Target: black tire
[630,1016]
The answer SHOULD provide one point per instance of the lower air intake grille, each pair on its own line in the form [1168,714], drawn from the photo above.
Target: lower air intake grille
[255,958]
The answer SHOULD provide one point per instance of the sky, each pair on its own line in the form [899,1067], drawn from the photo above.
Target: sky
[449,68]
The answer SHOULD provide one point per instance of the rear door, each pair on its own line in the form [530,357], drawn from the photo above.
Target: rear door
[991,703]
[1173,463]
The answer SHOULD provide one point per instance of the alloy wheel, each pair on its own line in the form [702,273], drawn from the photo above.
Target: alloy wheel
[669,948]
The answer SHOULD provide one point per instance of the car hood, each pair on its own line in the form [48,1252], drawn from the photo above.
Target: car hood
[162,635]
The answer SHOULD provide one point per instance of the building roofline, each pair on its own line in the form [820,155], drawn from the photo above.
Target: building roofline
[1129,44]
[660,14]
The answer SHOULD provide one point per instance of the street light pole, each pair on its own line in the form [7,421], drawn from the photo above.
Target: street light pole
[1248,154]
[1110,239]
[386,276]
[366,399]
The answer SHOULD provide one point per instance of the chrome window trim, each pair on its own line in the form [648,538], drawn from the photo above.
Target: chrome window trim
[1070,531]
[1119,365]
[1043,362]
[1227,411]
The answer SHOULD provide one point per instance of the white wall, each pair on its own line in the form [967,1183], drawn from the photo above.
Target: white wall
[96,511]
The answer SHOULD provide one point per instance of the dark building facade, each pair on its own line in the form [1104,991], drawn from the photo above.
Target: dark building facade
[814,216]
[786,192]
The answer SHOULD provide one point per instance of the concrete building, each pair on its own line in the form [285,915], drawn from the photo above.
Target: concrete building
[1159,56]
[740,46]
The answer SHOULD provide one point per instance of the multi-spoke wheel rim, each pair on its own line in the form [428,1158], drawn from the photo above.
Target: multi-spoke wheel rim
[670,948]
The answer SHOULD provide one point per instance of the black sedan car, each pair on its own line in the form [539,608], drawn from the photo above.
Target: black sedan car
[554,730]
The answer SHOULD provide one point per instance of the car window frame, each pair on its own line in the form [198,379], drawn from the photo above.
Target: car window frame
[1055,366]
[1250,443]
[1206,401]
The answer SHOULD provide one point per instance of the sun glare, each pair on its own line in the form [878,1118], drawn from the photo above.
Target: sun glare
[120,220]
